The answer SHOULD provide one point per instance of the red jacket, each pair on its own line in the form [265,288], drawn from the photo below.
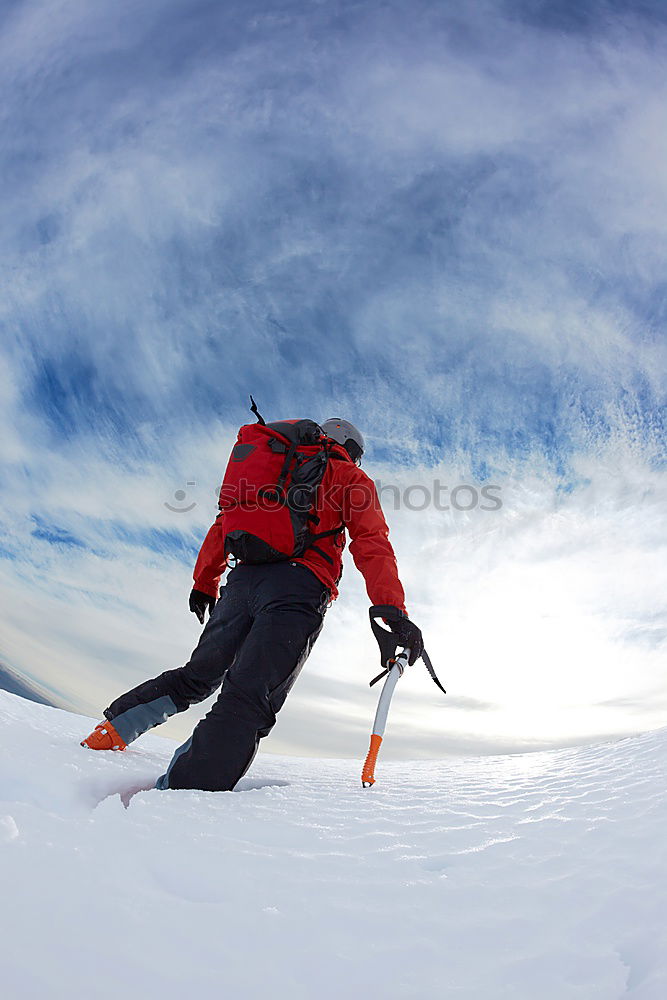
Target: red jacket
[346,496]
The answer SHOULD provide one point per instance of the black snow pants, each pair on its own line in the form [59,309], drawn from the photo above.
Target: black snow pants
[256,641]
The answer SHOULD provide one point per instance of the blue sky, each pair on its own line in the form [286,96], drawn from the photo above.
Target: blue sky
[445,222]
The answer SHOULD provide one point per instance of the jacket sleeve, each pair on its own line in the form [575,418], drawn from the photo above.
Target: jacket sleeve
[370,546]
[211,561]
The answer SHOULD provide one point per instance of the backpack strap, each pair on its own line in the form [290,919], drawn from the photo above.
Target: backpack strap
[284,472]
[327,534]
[312,538]
[315,536]
[253,407]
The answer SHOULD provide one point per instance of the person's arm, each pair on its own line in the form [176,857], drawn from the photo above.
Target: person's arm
[211,561]
[370,546]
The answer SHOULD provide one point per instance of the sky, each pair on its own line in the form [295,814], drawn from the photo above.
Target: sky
[443,222]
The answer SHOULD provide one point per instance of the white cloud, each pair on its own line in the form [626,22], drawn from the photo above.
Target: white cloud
[448,222]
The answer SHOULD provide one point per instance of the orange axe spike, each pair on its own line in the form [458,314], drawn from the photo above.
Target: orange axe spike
[368,772]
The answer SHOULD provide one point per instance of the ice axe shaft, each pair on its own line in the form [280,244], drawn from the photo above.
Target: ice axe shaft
[380,723]
[392,667]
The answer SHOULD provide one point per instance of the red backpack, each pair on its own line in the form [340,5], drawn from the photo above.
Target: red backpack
[269,491]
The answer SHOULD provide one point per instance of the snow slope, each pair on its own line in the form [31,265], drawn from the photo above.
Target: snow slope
[534,877]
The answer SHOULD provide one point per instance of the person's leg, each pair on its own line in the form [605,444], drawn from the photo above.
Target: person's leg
[289,604]
[155,700]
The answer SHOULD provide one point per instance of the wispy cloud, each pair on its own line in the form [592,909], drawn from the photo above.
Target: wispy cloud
[444,221]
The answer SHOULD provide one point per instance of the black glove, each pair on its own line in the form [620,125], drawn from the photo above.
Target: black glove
[409,636]
[199,602]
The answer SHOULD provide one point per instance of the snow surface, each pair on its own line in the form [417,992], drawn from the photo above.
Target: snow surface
[536,877]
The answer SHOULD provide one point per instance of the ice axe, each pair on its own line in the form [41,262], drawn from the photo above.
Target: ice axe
[393,667]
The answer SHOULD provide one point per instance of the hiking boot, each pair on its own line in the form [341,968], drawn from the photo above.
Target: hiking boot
[104,737]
